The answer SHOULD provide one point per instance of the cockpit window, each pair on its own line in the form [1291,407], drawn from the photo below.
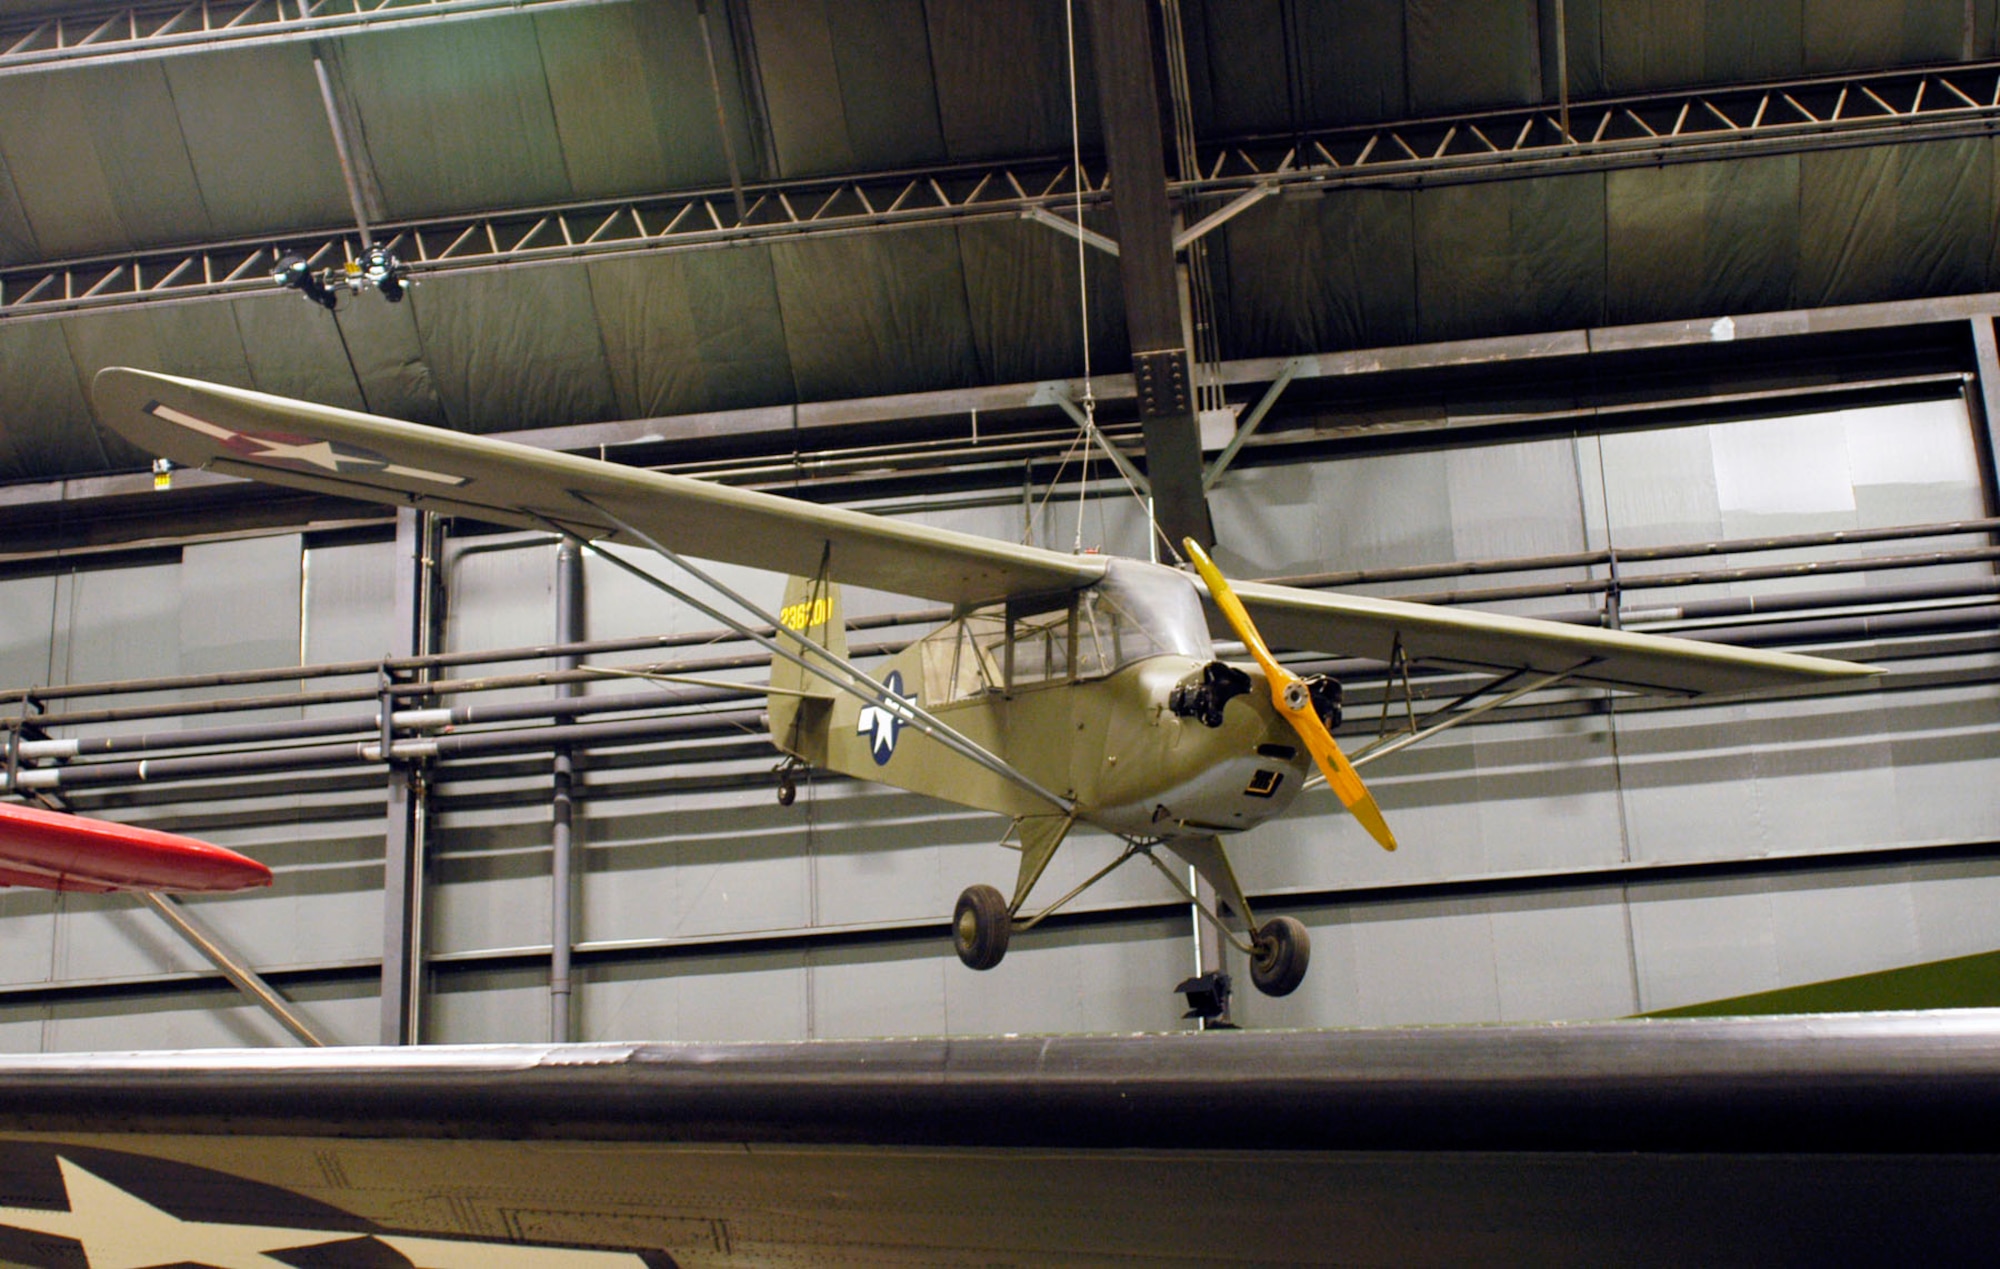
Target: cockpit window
[1137,611]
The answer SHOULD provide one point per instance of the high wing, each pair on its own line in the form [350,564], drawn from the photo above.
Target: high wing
[1363,625]
[326,450]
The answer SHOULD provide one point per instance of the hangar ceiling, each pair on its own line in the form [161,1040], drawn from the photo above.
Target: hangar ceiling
[896,149]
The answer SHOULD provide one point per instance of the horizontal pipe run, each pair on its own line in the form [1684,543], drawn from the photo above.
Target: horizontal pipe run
[1422,572]
[1731,606]
[1648,554]
[443,660]
[251,733]
[1719,577]
[359,724]
[464,745]
[440,687]
[1852,629]
[1847,597]
[1831,630]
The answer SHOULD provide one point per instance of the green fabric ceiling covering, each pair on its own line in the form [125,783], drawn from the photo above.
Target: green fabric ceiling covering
[514,349]
[614,100]
[692,332]
[1845,227]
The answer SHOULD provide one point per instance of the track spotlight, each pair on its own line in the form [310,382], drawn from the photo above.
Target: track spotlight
[383,271]
[295,271]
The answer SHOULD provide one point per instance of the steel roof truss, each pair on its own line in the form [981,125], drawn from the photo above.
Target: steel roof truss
[1788,117]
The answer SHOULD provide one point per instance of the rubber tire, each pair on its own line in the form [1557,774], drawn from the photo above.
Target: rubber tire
[1283,950]
[788,791]
[980,927]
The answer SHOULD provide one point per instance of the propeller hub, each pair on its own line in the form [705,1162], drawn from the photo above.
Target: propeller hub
[1297,695]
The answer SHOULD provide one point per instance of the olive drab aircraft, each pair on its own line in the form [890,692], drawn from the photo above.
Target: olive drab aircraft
[1067,689]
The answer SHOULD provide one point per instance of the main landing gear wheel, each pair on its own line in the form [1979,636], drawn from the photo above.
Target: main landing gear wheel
[1283,949]
[980,926]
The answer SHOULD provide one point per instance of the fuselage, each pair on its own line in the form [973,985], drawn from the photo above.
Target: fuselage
[1110,697]
[1135,766]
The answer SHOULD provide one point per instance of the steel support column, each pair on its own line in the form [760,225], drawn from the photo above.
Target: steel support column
[403,829]
[1128,100]
[1985,404]
[569,629]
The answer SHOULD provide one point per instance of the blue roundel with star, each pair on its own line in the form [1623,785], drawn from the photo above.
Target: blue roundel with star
[881,724]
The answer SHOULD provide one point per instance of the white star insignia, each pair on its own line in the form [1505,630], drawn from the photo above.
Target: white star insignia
[885,720]
[119,1230]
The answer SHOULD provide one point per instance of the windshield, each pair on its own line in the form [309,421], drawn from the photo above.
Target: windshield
[1139,610]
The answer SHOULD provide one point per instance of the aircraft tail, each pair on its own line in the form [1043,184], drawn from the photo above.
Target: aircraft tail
[801,704]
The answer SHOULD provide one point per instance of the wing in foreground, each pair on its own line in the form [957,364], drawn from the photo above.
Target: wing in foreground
[326,450]
[1362,625]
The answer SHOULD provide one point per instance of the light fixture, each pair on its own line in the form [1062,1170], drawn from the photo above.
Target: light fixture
[295,271]
[383,271]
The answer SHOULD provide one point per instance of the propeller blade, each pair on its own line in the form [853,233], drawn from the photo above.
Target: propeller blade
[1292,699]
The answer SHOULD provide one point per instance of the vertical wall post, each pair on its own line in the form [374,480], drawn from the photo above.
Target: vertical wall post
[562,886]
[403,829]
[1985,403]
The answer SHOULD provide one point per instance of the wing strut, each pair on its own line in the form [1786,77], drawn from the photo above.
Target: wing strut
[851,679]
[1458,712]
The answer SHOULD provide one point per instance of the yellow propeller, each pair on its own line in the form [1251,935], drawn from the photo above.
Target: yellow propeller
[1294,700]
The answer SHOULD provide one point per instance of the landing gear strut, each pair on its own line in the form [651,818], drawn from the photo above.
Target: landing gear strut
[980,927]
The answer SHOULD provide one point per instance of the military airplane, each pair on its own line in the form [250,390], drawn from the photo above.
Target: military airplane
[1067,688]
[51,850]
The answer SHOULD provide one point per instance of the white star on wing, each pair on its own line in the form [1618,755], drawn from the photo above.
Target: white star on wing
[317,453]
[121,1231]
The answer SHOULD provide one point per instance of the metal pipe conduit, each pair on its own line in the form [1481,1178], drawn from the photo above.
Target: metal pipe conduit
[1660,581]
[1420,572]
[1795,631]
[750,722]
[915,617]
[466,745]
[439,687]
[569,629]
[370,724]
[443,660]
[1582,559]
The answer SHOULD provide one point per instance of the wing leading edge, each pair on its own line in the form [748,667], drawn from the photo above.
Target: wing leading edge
[326,450]
[342,452]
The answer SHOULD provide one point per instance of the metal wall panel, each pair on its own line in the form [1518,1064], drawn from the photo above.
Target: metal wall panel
[27,625]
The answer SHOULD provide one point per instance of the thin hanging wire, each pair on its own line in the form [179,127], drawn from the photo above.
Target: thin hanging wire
[1091,431]
[1082,279]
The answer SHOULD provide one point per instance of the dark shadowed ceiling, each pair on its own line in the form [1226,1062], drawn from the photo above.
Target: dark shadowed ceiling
[530,110]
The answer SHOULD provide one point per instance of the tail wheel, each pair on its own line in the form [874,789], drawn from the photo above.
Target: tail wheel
[788,789]
[1283,948]
[980,926]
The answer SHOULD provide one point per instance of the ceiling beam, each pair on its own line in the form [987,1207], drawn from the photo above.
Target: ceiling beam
[1932,105]
[134,33]
[1129,103]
